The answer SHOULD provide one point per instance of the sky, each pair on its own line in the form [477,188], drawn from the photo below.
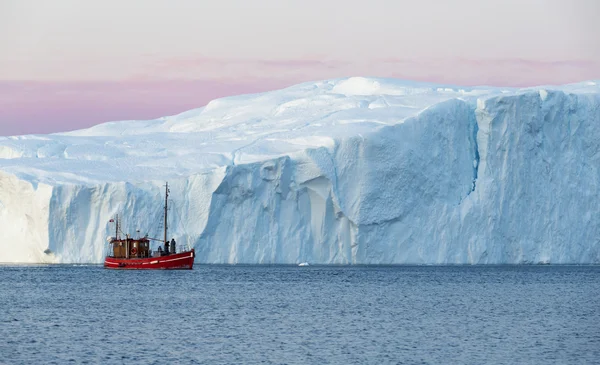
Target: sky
[71,64]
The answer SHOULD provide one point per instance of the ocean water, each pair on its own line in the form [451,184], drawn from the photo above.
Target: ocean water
[301,315]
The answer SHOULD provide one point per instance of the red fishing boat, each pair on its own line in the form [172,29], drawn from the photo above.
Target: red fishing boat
[135,253]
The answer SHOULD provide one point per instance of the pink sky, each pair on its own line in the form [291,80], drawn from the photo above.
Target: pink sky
[68,64]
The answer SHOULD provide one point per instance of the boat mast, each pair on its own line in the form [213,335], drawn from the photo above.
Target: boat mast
[166,203]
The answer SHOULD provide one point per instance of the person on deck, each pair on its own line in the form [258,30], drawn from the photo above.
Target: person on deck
[173,243]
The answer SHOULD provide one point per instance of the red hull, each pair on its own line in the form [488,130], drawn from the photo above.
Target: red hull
[178,261]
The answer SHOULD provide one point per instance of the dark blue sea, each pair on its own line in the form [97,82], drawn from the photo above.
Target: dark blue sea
[301,315]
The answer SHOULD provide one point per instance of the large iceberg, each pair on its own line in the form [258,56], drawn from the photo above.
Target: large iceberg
[355,170]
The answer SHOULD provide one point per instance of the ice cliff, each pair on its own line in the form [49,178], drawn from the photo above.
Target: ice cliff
[356,170]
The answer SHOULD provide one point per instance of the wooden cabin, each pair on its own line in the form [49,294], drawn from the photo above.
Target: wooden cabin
[130,248]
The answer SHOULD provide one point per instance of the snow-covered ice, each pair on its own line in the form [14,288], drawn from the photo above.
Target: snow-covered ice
[356,170]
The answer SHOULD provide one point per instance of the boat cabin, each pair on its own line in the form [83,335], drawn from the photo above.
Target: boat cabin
[130,248]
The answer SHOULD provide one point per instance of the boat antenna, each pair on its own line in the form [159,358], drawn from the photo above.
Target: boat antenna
[117,227]
[166,208]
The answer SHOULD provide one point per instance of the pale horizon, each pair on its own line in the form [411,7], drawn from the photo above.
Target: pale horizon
[68,65]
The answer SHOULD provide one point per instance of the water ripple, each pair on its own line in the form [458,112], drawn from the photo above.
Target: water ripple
[301,315]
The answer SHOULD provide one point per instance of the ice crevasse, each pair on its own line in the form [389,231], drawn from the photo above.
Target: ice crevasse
[345,171]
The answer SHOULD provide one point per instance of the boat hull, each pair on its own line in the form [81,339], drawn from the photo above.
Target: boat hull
[178,261]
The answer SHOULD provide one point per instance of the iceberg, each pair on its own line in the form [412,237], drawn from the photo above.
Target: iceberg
[345,171]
